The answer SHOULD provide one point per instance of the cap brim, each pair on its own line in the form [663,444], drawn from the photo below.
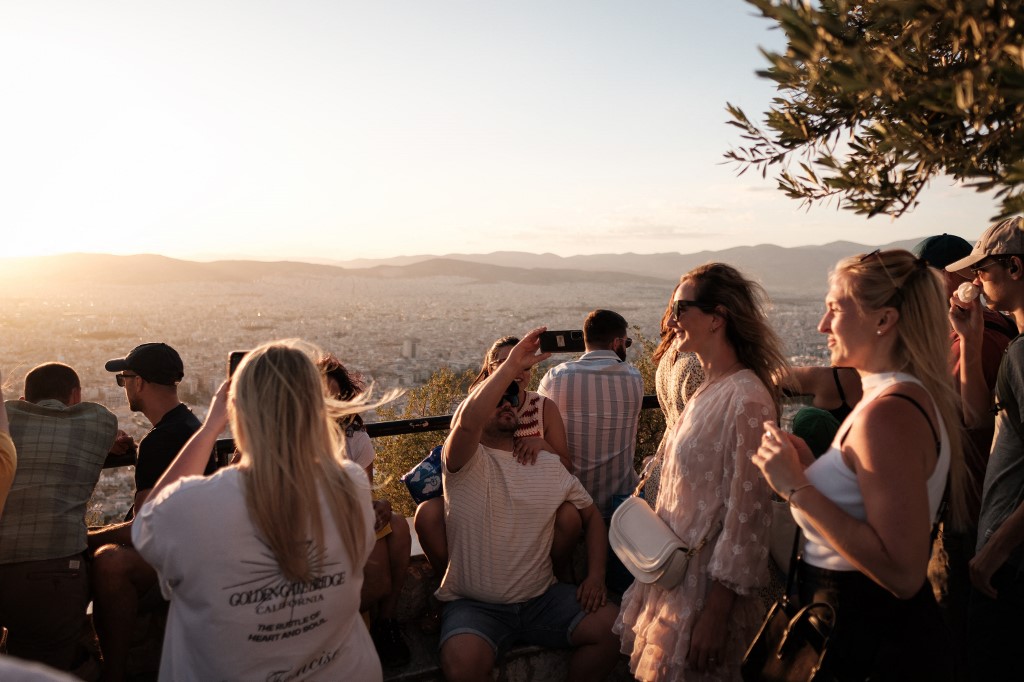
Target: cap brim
[118,365]
[962,266]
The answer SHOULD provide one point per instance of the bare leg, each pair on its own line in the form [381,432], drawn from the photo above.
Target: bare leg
[120,578]
[467,658]
[376,576]
[431,531]
[399,541]
[597,647]
[568,526]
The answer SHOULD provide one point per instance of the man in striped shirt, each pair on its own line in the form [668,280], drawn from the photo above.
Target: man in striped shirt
[499,589]
[600,396]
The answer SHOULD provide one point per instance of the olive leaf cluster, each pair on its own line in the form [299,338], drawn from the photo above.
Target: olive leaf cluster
[877,97]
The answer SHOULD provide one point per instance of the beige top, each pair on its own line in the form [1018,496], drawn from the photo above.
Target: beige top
[500,518]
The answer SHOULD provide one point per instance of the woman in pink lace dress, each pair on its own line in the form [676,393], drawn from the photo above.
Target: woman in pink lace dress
[709,487]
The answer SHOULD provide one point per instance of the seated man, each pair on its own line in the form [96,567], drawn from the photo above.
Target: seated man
[122,580]
[499,586]
[62,444]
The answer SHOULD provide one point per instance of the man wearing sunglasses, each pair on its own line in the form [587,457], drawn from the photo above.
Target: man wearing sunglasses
[600,397]
[995,629]
[122,581]
[500,589]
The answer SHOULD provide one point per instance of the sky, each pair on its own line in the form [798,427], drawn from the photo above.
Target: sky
[335,130]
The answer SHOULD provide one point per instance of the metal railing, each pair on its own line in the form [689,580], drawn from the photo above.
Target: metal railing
[399,427]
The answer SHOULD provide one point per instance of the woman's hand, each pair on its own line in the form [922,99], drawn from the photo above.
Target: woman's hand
[217,417]
[382,514]
[711,629]
[779,460]
[527,449]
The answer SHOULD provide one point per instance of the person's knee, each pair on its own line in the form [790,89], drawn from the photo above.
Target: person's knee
[596,628]
[429,516]
[376,575]
[116,567]
[466,658]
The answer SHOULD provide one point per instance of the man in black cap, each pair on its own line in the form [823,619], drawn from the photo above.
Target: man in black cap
[149,375]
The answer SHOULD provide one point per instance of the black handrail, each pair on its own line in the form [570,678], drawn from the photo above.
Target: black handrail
[399,427]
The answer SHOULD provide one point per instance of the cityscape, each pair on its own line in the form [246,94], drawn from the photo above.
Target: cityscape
[395,332]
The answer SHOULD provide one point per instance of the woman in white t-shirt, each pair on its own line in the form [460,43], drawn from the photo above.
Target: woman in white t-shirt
[263,561]
[867,505]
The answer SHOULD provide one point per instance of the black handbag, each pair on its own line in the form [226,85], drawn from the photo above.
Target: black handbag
[792,644]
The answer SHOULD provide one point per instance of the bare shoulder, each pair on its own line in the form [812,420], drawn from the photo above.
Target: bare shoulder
[891,425]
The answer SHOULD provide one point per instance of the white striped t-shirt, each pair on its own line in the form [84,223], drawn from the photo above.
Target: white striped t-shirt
[500,518]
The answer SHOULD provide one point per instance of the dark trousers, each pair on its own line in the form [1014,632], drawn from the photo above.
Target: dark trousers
[878,636]
[996,629]
[42,605]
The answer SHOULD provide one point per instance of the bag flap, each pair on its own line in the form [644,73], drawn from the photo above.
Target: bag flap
[639,533]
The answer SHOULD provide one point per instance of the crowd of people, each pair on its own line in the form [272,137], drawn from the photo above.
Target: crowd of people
[902,482]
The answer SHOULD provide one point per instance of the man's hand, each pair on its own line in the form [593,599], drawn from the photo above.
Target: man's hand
[591,593]
[123,444]
[382,513]
[984,565]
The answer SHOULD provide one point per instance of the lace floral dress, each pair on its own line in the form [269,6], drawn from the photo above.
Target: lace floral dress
[708,477]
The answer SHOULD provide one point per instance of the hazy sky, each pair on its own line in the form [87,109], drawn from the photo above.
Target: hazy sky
[338,130]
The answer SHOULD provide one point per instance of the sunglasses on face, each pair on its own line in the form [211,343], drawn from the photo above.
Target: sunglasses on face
[679,307]
[119,378]
[627,342]
[511,395]
[975,269]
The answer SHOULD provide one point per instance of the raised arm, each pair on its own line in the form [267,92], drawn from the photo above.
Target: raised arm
[474,413]
[975,397]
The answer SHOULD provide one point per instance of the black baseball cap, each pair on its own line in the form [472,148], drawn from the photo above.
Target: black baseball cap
[942,249]
[157,363]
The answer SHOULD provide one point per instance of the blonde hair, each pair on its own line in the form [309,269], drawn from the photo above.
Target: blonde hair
[743,304]
[291,456]
[899,280]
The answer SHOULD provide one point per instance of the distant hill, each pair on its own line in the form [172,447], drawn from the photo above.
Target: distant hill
[798,271]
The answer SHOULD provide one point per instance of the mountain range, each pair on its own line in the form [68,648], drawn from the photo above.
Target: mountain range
[784,271]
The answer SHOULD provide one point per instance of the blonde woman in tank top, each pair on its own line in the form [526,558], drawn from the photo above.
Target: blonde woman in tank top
[867,505]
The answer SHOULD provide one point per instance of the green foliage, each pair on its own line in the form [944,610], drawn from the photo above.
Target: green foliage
[397,454]
[652,422]
[877,97]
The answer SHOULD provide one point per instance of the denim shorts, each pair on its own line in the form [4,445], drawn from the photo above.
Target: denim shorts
[547,620]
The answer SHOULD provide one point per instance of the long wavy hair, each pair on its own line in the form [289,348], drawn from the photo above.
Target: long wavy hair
[667,337]
[900,280]
[491,357]
[350,385]
[743,304]
[291,456]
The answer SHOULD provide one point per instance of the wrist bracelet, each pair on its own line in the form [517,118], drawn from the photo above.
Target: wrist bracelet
[794,491]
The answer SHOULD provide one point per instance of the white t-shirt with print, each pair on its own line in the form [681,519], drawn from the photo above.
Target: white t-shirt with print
[233,615]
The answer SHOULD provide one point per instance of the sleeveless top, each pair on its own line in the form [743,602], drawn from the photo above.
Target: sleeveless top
[531,416]
[836,481]
[844,409]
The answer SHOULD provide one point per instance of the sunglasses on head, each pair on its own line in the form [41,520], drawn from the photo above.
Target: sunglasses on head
[119,378]
[679,307]
[511,395]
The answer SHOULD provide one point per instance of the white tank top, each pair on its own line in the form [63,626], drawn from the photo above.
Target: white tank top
[836,481]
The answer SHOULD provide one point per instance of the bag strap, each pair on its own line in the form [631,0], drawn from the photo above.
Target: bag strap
[791,573]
